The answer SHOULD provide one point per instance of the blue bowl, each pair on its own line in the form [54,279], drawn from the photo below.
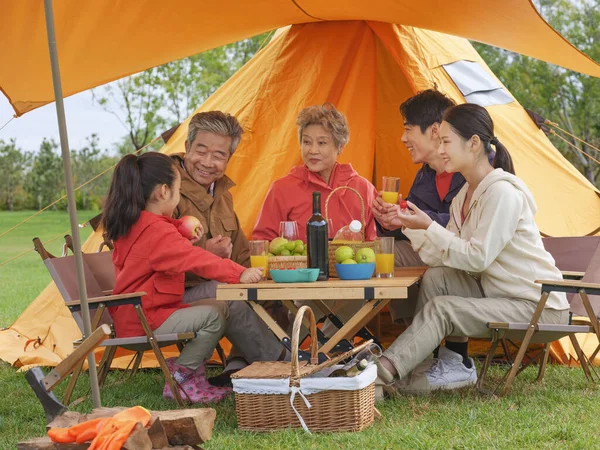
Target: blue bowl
[294,276]
[355,271]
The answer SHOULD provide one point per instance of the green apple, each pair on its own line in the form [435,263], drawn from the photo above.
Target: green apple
[348,261]
[299,248]
[290,246]
[343,253]
[365,255]
[276,245]
[285,252]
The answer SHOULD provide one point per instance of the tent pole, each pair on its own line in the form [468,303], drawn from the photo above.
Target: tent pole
[66,157]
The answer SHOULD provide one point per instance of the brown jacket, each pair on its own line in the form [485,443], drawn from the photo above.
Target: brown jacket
[216,214]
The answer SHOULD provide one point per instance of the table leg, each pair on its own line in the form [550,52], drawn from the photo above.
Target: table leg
[363,332]
[270,322]
[355,323]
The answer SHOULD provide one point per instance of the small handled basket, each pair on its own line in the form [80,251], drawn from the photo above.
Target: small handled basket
[286,262]
[355,246]
[274,395]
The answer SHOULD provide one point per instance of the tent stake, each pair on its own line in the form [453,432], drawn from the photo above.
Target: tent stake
[66,157]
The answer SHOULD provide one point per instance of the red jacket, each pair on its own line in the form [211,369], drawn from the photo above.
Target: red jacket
[290,198]
[153,257]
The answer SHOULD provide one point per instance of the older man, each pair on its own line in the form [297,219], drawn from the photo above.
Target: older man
[212,138]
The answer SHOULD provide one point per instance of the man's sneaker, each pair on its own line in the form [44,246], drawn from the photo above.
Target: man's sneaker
[445,372]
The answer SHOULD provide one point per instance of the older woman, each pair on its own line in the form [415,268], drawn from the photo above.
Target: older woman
[323,133]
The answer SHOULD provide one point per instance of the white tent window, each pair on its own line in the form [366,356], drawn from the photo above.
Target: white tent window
[476,84]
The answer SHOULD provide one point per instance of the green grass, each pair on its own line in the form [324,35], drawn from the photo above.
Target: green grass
[560,413]
[24,278]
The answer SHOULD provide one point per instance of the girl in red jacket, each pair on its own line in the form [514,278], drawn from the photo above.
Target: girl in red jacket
[151,255]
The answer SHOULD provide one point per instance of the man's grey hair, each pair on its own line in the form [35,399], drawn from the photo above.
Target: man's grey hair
[216,122]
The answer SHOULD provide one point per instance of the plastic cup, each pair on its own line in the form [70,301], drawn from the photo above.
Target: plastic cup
[259,251]
[390,187]
[384,259]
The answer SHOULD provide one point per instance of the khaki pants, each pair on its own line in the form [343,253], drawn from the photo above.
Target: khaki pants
[405,256]
[249,335]
[452,303]
[207,321]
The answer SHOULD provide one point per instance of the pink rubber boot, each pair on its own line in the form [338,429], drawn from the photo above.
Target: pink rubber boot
[194,384]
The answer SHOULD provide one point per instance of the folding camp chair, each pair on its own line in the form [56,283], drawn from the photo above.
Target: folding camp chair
[588,290]
[572,256]
[100,280]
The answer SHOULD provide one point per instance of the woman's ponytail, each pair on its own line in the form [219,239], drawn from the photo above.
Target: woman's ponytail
[502,160]
[132,184]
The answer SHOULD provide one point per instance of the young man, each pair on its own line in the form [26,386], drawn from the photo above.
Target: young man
[433,188]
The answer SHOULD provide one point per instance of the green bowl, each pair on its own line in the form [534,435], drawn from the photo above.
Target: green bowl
[294,276]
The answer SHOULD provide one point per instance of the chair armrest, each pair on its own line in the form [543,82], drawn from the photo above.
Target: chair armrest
[134,298]
[570,286]
[570,275]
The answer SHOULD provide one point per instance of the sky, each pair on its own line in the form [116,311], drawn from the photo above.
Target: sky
[84,117]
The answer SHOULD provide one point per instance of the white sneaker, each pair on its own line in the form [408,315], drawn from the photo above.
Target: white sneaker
[445,372]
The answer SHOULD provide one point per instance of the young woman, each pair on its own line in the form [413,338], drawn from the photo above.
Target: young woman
[152,256]
[483,264]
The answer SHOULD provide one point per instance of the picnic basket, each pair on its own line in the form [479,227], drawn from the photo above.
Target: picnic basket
[286,262]
[354,245]
[274,395]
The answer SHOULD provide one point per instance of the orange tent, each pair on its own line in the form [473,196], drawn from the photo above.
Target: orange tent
[367,69]
[104,40]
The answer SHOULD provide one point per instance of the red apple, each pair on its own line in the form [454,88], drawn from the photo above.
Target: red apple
[190,227]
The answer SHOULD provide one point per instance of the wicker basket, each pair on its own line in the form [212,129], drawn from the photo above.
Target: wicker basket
[331,410]
[354,245]
[286,262]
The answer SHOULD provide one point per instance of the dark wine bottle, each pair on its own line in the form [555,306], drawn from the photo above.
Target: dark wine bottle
[316,240]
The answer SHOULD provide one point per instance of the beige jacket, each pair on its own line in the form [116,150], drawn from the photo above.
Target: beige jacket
[215,212]
[498,242]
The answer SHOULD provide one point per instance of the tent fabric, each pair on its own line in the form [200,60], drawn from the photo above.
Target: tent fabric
[367,69]
[105,40]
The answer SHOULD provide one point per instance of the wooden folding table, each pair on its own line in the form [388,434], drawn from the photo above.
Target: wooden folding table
[374,292]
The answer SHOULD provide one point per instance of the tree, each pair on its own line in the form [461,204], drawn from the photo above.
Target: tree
[45,182]
[13,164]
[87,163]
[153,101]
[562,96]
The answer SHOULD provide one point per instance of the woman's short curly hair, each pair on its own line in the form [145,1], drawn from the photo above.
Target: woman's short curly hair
[327,116]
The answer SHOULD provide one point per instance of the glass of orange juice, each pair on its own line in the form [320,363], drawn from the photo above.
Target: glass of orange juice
[390,187]
[259,251]
[384,259]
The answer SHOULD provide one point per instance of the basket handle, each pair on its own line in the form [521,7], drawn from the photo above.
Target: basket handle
[303,311]
[362,206]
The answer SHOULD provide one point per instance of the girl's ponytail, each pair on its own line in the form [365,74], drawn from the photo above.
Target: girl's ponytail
[502,160]
[132,184]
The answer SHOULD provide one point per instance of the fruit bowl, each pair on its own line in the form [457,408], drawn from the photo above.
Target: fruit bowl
[355,271]
[294,275]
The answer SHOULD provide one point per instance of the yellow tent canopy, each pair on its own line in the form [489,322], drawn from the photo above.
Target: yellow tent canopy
[104,40]
[366,69]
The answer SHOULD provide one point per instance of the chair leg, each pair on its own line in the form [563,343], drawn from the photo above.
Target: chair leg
[159,356]
[137,362]
[221,354]
[525,344]
[581,357]
[544,362]
[109,354]
[506,351]
[487,362]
